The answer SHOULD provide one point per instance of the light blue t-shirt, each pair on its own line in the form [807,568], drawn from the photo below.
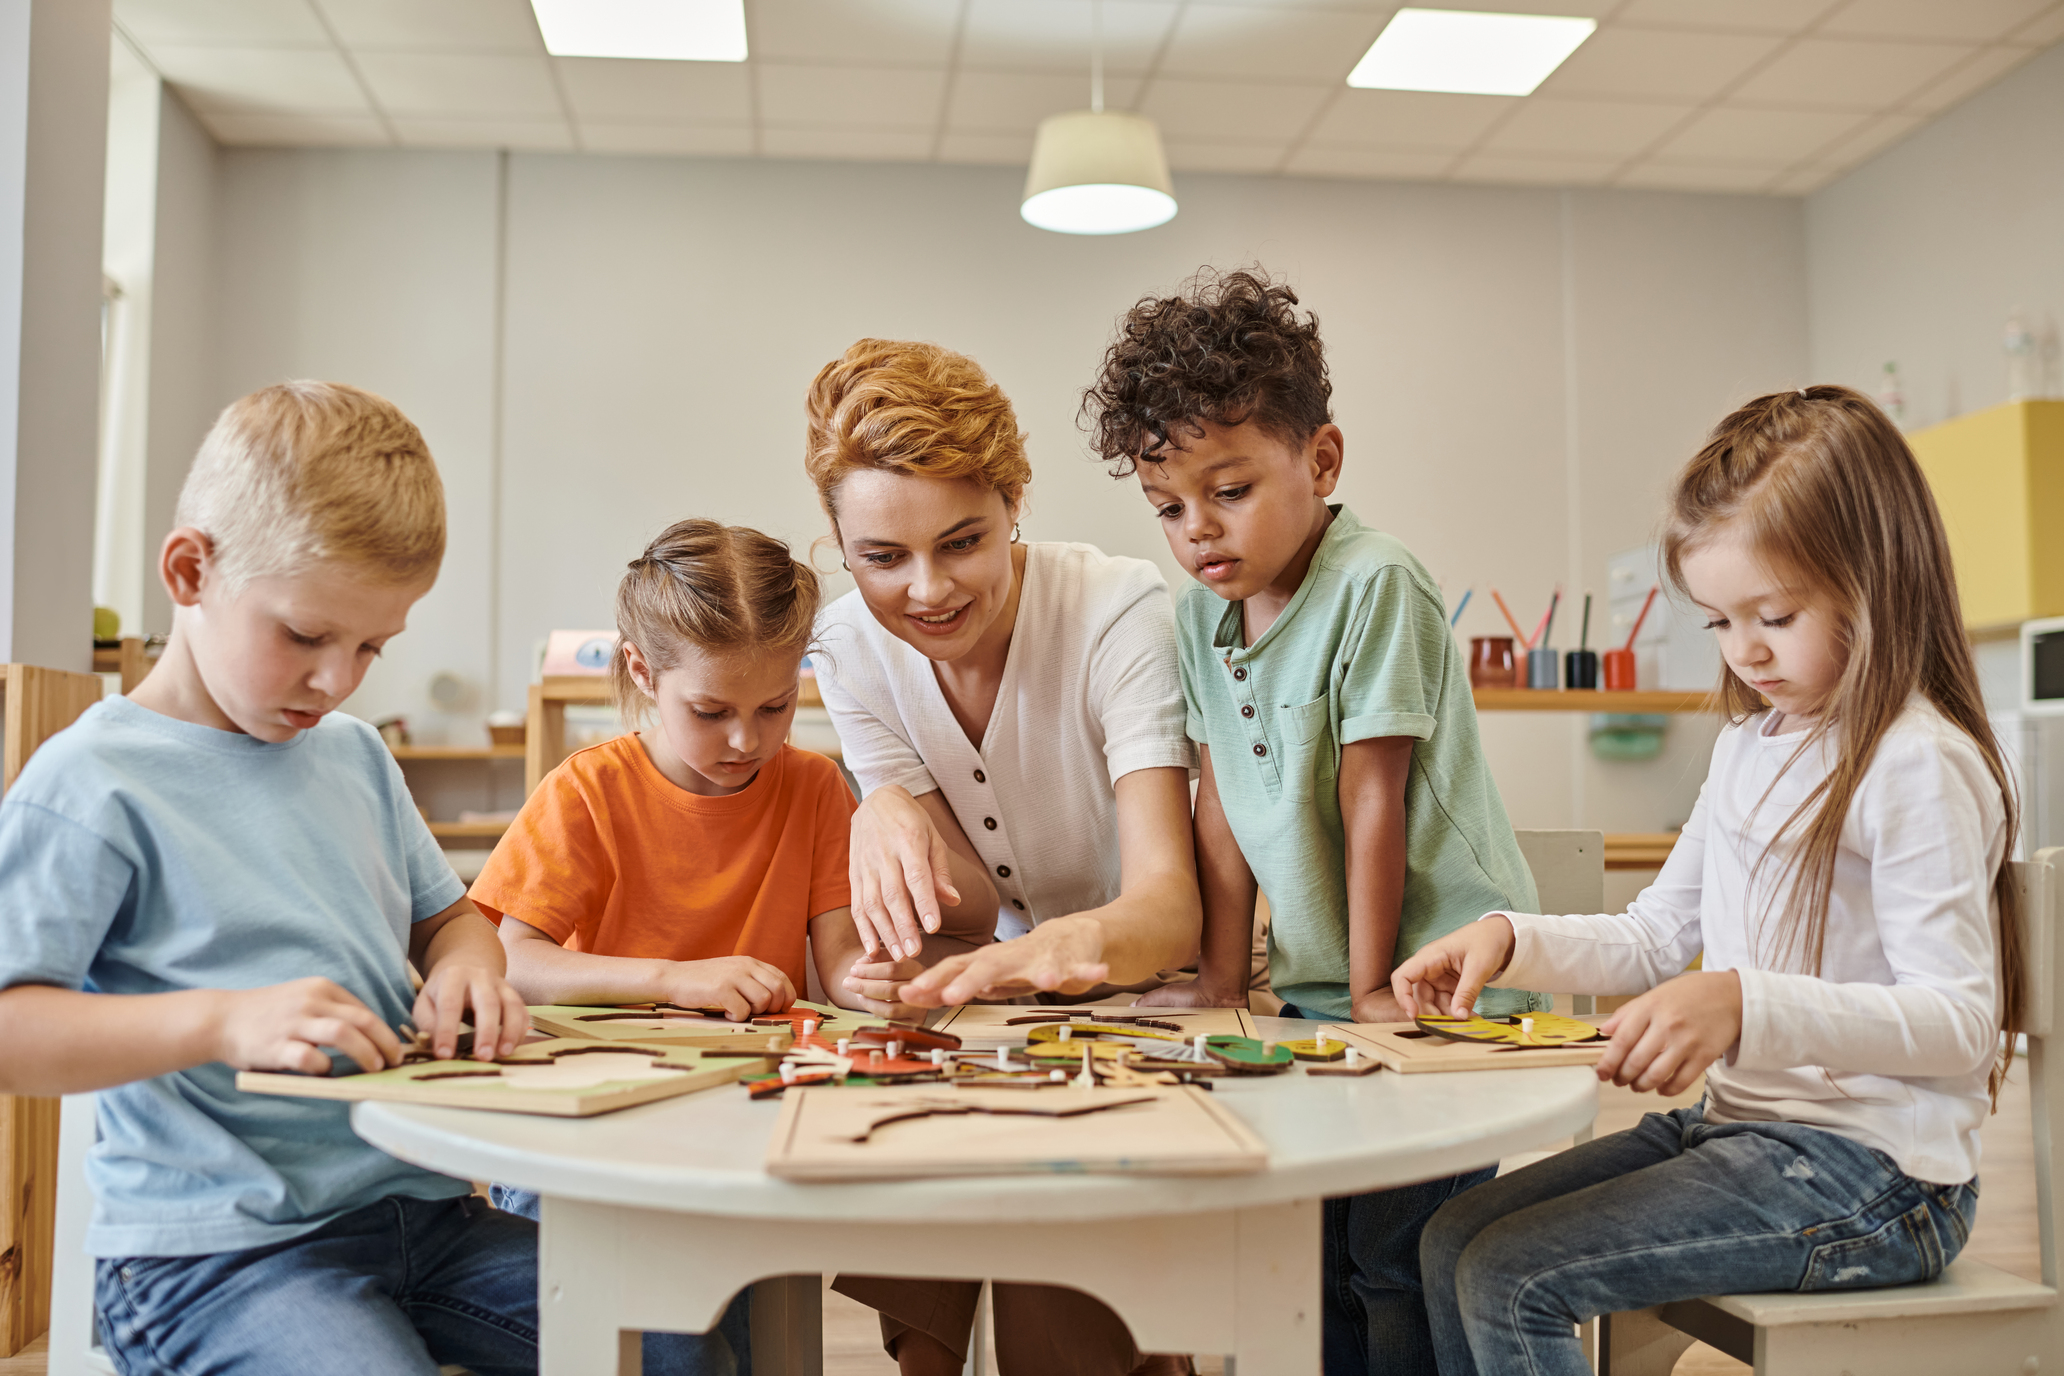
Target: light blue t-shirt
[143,855]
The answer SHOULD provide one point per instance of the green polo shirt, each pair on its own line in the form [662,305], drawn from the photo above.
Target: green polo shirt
[1362,651]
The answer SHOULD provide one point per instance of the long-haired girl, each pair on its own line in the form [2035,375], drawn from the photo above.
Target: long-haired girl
[1844,876]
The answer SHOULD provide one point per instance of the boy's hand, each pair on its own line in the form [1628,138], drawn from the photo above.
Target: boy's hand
[454,989]
[285,1027]
[1665,1039]
[742,986]
[1459,965]
[1380,1005]
[875,983]
[1191,994]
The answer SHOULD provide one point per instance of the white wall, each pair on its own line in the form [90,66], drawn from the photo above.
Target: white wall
[1919,255]
[1517,371]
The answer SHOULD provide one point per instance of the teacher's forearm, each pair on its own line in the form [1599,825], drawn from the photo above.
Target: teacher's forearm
[1150,928]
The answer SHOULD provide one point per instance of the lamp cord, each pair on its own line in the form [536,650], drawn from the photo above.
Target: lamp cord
[1096,56]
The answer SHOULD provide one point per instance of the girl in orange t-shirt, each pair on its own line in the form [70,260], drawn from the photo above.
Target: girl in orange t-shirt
[686,864]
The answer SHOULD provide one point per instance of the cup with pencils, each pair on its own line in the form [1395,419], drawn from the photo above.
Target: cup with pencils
[1620,676]
[1580,666]
[1538,668]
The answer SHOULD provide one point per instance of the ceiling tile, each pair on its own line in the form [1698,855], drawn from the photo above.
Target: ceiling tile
[871,97]
[530,135]
[1848,73]
[1719,177]
[1053,35]
[855,145]
[1320,160]
[1658,64]
[481,26]
[1584,128]
[681,140]
[244,23]
[1223,155]
[461,84]
[1984,67]
[615,92]
[1001,150]
[1876,135]
[295,131]
[1231,109]
[1972,20]
[1511,171]
[1308,45]
[2043,30]
[1781,137]
[1410,119]
[262,80]
[1747,16]
[906,32]
[1019,100]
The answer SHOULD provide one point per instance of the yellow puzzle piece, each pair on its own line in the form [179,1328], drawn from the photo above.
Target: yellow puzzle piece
[1521,1029]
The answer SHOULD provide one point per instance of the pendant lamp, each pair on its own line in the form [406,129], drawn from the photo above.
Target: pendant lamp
[1097,171]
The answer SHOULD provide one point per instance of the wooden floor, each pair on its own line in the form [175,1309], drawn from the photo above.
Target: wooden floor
[2005,1237]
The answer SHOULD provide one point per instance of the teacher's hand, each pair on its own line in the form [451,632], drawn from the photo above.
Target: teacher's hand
[1064,956]
[900,870]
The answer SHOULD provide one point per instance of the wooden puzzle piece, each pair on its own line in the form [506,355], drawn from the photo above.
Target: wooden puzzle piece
[1316,1049]
[1410,1050]
[682,1025]
[985,1025]
[565,1077]
[1249,1055]
[1097,1031]
[1353,1062]
[1517,1030]
[906,1034]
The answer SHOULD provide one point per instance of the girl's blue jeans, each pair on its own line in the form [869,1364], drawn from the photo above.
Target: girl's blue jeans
[395,1288]
[725,1350]
[1671,1209]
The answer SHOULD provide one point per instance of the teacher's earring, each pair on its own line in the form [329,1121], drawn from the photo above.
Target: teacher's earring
[1017,533]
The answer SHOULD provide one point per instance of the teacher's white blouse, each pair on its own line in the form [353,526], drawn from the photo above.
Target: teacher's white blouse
[1090,693]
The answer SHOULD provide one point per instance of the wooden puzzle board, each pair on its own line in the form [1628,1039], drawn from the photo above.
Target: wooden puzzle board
[1404,1048]
[986,1026]
[605,1023]
[1178,1131]
[563,1077]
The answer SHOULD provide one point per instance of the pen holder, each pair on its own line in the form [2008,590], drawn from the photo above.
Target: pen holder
[1541,669]
[1619,671]
[1490,661]
[1580,669]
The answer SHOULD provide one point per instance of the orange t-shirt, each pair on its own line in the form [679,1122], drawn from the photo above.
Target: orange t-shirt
[610,852]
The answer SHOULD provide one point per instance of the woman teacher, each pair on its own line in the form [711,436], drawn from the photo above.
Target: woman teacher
[1014,715]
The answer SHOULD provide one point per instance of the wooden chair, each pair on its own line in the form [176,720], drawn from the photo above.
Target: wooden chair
[1973,1318]
[39,703]
[544,731]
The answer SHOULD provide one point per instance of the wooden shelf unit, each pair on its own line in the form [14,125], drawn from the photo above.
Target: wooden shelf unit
[1638,850]
[457,752]
[1589,700]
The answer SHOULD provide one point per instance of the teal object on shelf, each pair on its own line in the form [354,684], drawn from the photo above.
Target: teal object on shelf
[1628,735]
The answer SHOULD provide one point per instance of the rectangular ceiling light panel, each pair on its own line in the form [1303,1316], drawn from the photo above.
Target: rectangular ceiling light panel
[1468,53]
[666,30]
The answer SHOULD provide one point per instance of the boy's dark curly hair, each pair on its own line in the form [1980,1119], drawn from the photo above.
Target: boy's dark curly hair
[1228,347]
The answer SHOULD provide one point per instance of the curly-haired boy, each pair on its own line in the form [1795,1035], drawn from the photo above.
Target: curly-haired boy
[1341,766]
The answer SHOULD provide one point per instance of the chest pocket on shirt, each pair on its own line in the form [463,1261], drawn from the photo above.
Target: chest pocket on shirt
[1308,737]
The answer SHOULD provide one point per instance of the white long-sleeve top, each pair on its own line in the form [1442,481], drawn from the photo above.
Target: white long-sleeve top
[1891,1043]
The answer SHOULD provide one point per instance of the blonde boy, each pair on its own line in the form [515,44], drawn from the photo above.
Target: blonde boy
[217,873]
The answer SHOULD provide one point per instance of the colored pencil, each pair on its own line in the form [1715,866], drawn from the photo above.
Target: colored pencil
[1548,626]
[1510,619]
[1650,602]
[1584,636]
[1466,593]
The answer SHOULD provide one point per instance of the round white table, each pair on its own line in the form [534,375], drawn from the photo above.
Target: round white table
[654,1217]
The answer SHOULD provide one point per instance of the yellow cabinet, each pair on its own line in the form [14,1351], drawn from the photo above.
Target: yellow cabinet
[1998,476]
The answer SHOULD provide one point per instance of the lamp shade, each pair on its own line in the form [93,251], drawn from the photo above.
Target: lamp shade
[1098,172]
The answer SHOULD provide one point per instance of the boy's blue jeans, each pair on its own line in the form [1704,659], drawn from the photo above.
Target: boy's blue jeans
[1672,1209]
[725,1350]
[399,1287]
[1373,1312]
